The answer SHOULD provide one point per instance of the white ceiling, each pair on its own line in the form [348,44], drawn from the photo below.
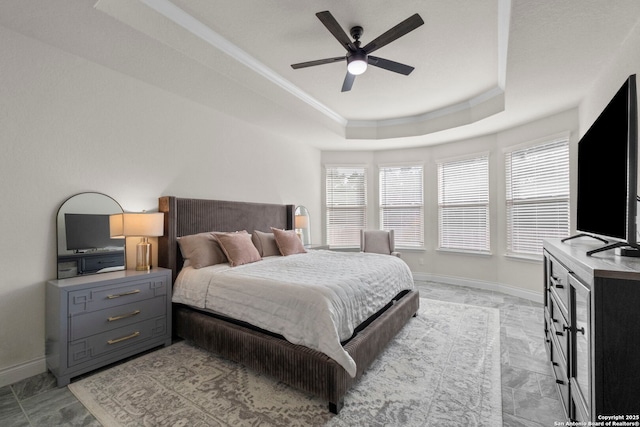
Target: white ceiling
[480,65]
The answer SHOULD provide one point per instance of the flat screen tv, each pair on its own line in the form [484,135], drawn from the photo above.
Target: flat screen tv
[608,174]
[89,231]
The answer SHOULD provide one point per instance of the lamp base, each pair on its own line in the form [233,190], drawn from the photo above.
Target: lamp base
[143,255]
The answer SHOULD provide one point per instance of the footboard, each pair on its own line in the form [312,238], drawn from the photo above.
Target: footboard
[295,365]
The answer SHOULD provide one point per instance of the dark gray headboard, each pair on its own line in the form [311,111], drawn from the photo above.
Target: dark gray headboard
[190,216]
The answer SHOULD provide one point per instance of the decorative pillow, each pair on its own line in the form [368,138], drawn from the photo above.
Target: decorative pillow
[201,250]
[238,248]
[265,243]
[288,242]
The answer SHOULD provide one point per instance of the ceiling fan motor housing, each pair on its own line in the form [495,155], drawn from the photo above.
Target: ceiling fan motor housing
[356,32]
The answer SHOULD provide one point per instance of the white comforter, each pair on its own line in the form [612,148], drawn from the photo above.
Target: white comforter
[315,299]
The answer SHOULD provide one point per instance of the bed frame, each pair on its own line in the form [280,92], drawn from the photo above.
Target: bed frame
[295,365]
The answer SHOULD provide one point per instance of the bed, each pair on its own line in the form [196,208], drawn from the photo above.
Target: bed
[297,365]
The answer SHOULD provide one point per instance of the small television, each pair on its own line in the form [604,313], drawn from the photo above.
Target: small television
[89,231]
[608,175]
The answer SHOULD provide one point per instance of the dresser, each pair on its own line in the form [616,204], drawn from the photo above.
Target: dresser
[95,320]
[592,330]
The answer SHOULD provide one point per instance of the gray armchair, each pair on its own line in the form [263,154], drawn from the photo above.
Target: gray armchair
[378,241]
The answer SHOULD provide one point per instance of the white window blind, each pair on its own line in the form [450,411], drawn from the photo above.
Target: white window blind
[537,180]
[463,204]
[402,204]
[346,205]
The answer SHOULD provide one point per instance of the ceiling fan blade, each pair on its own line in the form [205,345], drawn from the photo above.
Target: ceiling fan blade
[396,67]
[318,62]
[396,32]
[334,28]
[348,82]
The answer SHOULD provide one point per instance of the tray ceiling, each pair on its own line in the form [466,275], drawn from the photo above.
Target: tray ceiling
[480,66]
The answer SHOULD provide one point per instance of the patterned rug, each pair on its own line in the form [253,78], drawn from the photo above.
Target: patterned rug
[443,368]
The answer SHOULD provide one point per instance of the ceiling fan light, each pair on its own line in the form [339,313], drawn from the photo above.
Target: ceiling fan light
[357,67]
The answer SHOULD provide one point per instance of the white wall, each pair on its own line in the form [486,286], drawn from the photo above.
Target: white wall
[625,62]
[68,125]
[515,276]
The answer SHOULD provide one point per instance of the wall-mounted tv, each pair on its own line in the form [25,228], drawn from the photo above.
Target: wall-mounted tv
[608,174]
[89,231]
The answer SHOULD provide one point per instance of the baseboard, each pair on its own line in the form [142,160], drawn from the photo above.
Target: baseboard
[16,373]
[479,284]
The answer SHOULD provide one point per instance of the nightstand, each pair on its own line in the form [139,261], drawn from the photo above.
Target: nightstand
[95,320]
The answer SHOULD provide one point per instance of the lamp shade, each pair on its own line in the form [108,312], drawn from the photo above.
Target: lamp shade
[137,224]
[302,221]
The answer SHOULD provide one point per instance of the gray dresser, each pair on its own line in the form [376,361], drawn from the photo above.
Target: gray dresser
[92,321]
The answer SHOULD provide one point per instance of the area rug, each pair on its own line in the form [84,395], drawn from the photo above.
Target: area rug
[443,368]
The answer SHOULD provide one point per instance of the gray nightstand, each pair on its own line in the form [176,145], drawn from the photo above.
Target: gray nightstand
[92,321]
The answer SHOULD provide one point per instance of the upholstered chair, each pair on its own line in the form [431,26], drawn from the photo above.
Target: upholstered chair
[378,241]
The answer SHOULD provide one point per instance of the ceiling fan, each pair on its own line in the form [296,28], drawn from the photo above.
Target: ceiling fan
[358,57]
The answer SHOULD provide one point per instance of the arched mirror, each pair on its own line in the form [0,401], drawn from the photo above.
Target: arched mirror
[303,224]
[85,245]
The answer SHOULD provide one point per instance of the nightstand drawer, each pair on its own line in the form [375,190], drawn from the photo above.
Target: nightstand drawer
[96,322]
[100,298]
[86,349]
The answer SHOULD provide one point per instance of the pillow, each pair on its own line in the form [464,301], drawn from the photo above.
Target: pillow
[265,243]
[201,250]
[288,242]
[238,248]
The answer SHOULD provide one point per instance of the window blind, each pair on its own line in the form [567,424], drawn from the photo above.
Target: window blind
[346,205]
[537,197]
[463,204]
[402,204]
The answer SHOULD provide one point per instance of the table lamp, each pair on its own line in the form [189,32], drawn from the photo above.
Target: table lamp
[143,225]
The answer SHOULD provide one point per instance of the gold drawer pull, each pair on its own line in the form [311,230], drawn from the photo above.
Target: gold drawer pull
[137,291]
[123,316]
[128,337]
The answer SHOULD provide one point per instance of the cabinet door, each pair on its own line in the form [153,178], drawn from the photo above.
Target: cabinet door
[580,338]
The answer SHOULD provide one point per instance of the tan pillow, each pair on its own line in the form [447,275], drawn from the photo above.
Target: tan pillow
[201,250]
[288,242]
[238,248]
[265,243]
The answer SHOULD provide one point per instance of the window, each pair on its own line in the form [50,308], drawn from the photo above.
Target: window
[402,205]
[537,180]
[346,204]
[463,204]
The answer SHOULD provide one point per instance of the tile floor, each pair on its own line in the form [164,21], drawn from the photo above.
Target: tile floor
[529,395]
